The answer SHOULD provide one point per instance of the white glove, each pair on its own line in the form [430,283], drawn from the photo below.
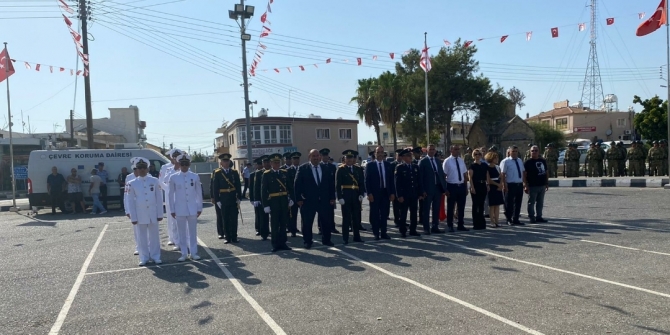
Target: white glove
[238,201]
[290,203]
[341,201]
[267,210]
[218,203]
[253,203]
[360,198]
[258,203]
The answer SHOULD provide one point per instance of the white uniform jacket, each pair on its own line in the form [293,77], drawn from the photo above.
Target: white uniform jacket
[164,175]
[185,195]
[129,178]
[145,200]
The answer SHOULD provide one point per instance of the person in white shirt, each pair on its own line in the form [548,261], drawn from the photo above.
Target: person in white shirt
[457,177]
[94,191]
[145,203]
[164,176]
[513,180]
[185,198]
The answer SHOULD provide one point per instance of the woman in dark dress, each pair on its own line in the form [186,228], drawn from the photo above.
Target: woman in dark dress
[478,175]
[495,188]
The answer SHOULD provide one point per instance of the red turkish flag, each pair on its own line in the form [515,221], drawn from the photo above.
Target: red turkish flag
[264,34]
[37,67]
[554,32]
[359,61]
[6,67]
[277,70]
[654,22]
[79,72]
[67,21]
[62,69]
[467,44]
[264,17]
[392,55]
[302,68]
[502,39]
[328,61]
[610,21]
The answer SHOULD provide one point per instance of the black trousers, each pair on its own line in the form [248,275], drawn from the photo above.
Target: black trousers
[457,196]
[513,200]
[411,205]
[279,217]
[307,214]
[397,207]
[103,195]
[246,187]
[379,212]
[123,195]
[264,228]
[431,205]
[57,201]
[229,213]
[326,218]
[478,199]
[351,217]
[258,211]
[293,219]
[219,221]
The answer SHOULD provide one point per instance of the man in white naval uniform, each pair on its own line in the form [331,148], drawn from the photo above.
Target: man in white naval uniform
[185,199]
[163,177]
[129,178]
[146,210]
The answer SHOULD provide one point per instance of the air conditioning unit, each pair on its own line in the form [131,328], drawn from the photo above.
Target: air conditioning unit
[627,132]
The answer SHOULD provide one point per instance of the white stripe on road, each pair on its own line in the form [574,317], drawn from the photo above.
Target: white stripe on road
[264,315]
[552,268]
[77,283]
[577,222]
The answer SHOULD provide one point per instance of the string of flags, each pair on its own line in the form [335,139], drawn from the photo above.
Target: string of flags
[554,33]
[76,37]
[265,32]
[52,68]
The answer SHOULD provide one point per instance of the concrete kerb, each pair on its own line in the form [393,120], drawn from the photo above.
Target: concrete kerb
[649,182]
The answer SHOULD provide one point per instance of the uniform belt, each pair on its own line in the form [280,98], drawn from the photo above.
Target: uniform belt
[278,194]
[351,187]
[226,190]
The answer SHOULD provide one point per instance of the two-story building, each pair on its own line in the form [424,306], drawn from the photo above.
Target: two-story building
[274,134]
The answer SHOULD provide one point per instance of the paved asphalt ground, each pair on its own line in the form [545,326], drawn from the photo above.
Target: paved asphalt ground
[601,266]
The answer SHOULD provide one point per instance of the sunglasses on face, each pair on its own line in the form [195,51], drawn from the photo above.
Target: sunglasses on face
[533,151]
[141,167]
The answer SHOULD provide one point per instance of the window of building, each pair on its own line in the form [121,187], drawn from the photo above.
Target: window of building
[285,134]
[562,123]
[270,134]
[242,135]
[345,134]
[621,123]
[256,135]
[232,139]
[547,122]
[322,133]
[385,136]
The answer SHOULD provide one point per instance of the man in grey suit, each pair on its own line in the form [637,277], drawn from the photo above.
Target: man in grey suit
[434,185]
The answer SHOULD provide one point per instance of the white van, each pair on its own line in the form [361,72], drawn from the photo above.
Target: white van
[84,160]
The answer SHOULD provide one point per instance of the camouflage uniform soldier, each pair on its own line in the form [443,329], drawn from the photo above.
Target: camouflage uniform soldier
[655,160]
[551,156]
[603,154]
[527,155]
[622,160]
[467,158]
[592,159]
[572,161]
[613,156]
[633,160]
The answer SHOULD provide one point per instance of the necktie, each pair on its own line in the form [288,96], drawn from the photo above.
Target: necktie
[381,175]
[458,167]
[318,177]
[432,163]
[518,169]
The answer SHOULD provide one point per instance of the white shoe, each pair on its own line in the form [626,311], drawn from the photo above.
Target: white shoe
[195,257]
[136,253]
[170,243]
[143,263]
[159,262]
[176,249]
[181,259]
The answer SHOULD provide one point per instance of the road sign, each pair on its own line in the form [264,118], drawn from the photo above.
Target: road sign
[20,172]
[583,129]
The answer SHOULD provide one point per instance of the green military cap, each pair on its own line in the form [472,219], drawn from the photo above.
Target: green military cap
[225,157]
[258,160]
[296,155]
[351,153]
[285,155]
[275,157]
[325,151]
[416,150]
[264,158]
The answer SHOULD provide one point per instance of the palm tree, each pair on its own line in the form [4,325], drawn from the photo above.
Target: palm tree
[391,98]
[368,110]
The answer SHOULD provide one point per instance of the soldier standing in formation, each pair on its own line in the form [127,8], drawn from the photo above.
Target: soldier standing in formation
[276,191]
[571,160]
[634,157]
[252,197]
[145,207]
[129,178]
[655,160]
[408,192]
[601,163]
[227,195]
[592,158]
[551,155]
[613,157]
[623,155]
[164,176]
[350,188]
[291,171]
[185,198]
[467,157]
[396,205]
[287,160]
[264,218]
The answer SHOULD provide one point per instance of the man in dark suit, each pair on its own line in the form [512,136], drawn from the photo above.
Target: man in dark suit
[328,168]
[291,171]
[434,185]
[315,193]
[380,186]
[396,205]
[408,192]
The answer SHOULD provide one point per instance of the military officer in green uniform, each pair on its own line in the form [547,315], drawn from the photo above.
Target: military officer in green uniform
[571,160]
[252,197]
[416,152]
[264,224]
[291,171]
[350,188]
[527,155]
[287,160]
[613,157]
[551,155]
[601,163]
[276,192]
[227,195]
[592,158]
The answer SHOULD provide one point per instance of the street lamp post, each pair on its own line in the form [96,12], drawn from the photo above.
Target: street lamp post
[242,12]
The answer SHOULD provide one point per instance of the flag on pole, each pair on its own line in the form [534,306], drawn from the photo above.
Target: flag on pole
[6,67]
[654,22]
[264,17]
[467,44]
[425,59]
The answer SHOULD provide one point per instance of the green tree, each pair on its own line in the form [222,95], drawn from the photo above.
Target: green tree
[368,110]
[198,157]
[390,97]
[652,122]
[545,134]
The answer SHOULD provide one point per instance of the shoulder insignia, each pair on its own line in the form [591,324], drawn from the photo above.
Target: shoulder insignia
[217,170]
[266,171]
[341,165]
[283,170]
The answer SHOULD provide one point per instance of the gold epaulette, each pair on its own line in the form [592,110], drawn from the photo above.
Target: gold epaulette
[217,170]
[341,165]
[266,171]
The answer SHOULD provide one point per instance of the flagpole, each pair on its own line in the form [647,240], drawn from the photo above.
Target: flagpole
[667,44]
[425,41]
[11,141]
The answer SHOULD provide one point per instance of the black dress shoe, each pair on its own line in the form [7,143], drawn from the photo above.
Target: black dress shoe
[264,239]
[403,235]
[258,234]
[413,233]
[330,244]
[235,241]
[532,220]
[308,245]
[286,247]
[220,237]
[437,231]
[359,240]
[361,228]
[386,237]
[426,232]
[293,235]
[517,223]
[335,231]
[541,220]
[450,229]
[461,228]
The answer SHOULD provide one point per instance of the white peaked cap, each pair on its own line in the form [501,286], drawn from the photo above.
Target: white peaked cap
[141,160]
[183,156]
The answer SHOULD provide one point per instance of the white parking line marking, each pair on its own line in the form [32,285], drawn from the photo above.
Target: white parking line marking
[202,261]
[578,222]
[551,268]
[264,315]
[73,292]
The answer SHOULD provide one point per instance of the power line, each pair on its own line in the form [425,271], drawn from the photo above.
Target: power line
[169,96]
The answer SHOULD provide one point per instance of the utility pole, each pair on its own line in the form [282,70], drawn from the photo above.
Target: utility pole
[71,126]
[289,103]
[83,18]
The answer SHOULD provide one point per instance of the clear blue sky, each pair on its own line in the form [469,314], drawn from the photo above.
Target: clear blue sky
[125,71]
